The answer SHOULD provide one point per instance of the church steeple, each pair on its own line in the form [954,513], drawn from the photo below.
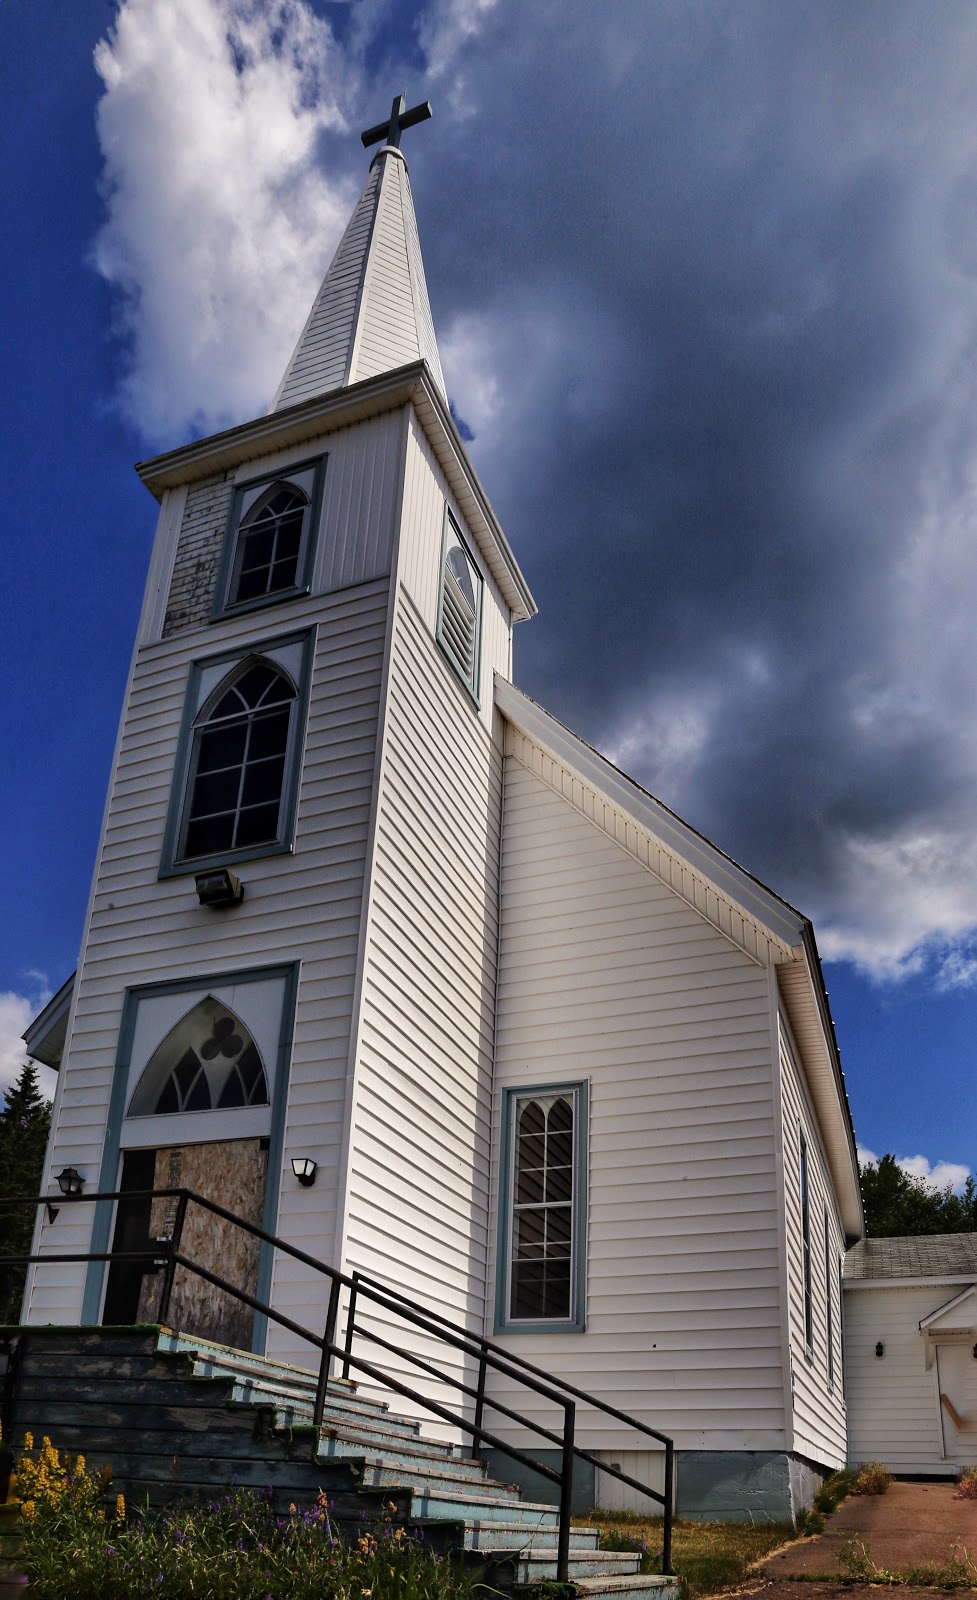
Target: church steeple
[372,312]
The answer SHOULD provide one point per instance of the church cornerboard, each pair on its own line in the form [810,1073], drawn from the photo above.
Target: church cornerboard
[565,1070]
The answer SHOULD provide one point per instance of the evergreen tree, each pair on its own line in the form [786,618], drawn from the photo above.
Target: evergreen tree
[897,1203]
[25,1123]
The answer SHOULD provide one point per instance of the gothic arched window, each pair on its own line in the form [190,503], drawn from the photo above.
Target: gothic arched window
[241,741]
[269,542]
[544,1214]
[207,1062]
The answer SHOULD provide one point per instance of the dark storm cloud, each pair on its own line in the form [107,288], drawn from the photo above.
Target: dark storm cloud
[707,281]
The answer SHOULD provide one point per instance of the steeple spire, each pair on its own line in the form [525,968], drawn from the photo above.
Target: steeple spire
[372,313]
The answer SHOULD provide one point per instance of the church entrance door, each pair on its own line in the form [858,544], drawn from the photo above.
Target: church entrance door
[233,1173]
[958,1398]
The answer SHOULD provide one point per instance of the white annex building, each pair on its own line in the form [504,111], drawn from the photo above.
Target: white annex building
[566,1071]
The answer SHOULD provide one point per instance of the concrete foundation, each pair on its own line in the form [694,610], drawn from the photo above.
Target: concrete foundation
[743,1485]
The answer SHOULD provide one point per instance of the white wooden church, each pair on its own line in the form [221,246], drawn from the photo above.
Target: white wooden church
[566,1072]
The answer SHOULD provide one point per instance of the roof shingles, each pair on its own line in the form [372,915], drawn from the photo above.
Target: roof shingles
[934,1255]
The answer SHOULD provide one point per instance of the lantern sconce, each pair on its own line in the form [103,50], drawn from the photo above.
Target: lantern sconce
[70,1181]
[880,1349]
[975,1352]
[305,1170]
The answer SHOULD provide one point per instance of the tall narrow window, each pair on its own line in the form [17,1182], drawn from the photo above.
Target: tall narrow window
[237,766]
[829,1302]
[543,1223]
[806,1245]
[460,606]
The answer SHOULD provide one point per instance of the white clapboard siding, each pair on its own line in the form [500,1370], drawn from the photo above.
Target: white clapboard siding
[819,1424]
[304,907]
[425,492]
[606,975]
[417,1208]
[893,1402]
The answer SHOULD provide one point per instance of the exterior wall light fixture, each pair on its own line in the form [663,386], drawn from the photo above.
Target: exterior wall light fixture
[218,889]
[70,1181]
[880,1349]
[304,1169]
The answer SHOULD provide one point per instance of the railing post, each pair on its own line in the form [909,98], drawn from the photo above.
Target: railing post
[479,1400]
[170,1272]
[669,1499]
[325,1360]
[350,1318]
[566,1494]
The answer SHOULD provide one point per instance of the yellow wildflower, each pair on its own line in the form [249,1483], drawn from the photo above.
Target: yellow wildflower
[120,1508]
[28,1510]
[28,1441]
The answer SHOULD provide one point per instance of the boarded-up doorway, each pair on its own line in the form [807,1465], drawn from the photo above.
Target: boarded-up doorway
[231,1172]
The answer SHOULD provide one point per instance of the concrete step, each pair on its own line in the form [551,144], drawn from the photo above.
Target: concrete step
[445,1506]
[338,1408]
[539,1565]
[511,1536]
[396,1453]
[645,1586]
[441,1479]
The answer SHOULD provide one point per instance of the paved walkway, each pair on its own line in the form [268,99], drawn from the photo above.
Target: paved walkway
[913,1525]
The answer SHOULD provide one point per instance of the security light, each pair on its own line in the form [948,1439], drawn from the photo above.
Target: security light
[219,889]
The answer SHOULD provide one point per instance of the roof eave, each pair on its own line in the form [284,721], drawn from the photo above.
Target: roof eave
[412,384]
[45,1036]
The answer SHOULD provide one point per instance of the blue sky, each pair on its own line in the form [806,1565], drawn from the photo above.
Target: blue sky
[705,281]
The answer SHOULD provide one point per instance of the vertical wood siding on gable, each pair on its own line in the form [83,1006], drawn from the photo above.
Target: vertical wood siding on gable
[425,492]
[605,974]
[819,1412]
[198,554]
[355,538]
[301,907]
[417,1209]
[893,1403]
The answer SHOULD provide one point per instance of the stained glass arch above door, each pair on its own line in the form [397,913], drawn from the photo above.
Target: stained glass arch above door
[207,1062]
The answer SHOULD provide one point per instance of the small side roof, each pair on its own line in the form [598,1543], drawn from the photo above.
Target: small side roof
[928,1255]
[45,1036]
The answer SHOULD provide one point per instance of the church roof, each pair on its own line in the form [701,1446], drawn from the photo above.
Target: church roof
[931,1255]
[372,312]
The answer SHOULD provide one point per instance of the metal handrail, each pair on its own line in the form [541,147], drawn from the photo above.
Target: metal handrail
[489,1355]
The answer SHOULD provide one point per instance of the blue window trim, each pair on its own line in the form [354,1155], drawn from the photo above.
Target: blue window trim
[174,866]
[109,1170]
[581,1144]
[222,607]
[470,686]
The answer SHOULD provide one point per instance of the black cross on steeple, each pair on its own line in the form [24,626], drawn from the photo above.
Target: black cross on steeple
[390,131]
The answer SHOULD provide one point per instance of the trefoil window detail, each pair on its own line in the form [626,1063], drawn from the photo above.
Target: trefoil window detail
[543,1220]
[207,1062]
[460,606]
[238,761]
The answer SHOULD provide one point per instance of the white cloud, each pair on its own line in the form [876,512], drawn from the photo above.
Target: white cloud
[220,223]
[935,1175]
[16,1011]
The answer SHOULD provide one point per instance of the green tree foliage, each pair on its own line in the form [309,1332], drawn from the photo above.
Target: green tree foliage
[25,1123]
[897,1203]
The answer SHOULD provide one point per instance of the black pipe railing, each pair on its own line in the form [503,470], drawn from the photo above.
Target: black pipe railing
[487,1355]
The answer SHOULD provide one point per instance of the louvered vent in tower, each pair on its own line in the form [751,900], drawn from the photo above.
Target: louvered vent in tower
[459,612]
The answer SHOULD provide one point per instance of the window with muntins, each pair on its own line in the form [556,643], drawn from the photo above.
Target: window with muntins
[806,1247]
[267,555]
[460,606]
[207,1062]
[544,1217]
[269,539]
[237,766]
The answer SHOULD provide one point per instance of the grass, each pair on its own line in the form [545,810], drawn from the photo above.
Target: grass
[710,1556]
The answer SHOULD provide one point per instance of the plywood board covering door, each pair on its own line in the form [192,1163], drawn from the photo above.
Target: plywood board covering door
[233,1173]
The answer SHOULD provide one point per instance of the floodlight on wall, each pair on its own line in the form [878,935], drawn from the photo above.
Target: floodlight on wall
[219,888]
[304,1169]
[880,1349]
